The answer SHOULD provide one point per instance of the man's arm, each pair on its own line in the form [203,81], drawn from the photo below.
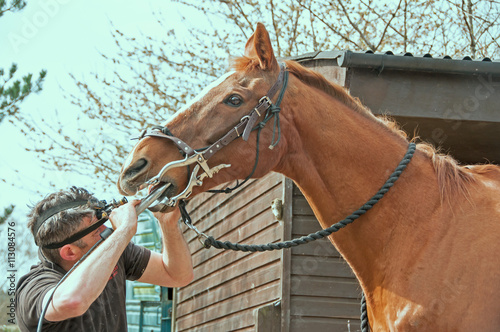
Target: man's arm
[87,281]
[172,268]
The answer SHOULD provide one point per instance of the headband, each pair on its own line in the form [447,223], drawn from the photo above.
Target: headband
[91,204]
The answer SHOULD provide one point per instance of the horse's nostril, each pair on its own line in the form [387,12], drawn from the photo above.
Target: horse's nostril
[136,168]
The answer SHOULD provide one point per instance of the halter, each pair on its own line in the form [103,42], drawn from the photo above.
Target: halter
[201,156]
[244,129]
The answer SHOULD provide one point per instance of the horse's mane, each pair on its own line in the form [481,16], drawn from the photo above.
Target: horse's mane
[452,178]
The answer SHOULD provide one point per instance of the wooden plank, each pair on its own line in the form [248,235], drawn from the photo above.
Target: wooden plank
[199,201]
[237,227]
[251,299]
[301,207]
[235,322]
[286,255]
[324,266]
[230,271]
[325,287]
[313,324]
[230,216]
[251,232]
[227,289]
[321,248]
[202,201]
[329,69]
[305,224]
[235,201]
[227,258]
[325,307]
[296,191]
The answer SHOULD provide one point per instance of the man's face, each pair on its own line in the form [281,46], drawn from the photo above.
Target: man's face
[90,239]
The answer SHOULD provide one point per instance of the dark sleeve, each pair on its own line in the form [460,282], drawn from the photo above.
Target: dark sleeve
[136,258]
[29,298]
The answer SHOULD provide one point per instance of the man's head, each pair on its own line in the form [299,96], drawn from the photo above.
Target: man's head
[63,224]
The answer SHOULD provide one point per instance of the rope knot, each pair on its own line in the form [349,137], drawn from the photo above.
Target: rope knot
[275,109]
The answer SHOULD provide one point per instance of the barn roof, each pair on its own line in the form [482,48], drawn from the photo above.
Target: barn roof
[406,62]
[451,103]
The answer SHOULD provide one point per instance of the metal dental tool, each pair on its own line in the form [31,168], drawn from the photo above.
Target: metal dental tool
[194,180]
[151,198]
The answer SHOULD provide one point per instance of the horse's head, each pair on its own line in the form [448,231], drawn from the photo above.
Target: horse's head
[227,103]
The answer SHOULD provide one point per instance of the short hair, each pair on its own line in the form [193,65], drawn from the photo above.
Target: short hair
[61,225]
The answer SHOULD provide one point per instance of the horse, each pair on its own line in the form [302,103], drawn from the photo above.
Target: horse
[426,256]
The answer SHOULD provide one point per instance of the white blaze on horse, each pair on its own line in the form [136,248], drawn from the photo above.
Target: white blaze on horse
[427,255]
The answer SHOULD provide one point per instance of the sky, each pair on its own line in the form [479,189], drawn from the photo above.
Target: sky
[63,37]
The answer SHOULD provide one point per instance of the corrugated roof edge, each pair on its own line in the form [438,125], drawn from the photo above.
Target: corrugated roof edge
[406,62]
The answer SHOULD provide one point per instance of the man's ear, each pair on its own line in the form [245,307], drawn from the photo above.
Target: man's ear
[69,253]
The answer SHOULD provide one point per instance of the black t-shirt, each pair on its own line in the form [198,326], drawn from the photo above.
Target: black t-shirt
[106,314]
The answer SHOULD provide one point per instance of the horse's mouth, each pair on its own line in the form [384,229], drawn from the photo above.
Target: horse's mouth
[169,192]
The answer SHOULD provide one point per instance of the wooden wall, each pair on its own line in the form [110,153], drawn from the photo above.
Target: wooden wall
[324,294]
[228,285]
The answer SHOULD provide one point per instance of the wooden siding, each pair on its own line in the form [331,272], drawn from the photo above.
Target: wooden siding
[228,285]
[324,294]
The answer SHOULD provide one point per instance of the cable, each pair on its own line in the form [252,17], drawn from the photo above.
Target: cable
[104,235]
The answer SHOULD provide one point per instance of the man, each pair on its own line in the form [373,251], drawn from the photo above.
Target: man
[92,297]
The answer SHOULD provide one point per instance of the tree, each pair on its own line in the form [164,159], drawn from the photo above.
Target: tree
[11,96]
[153,78]
[7,212]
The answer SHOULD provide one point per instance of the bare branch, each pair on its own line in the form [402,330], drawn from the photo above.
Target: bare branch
[330,27]
[355,26]
[388,24]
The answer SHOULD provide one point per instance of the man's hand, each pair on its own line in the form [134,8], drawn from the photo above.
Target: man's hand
[174,267]
[125,217]
[168,219]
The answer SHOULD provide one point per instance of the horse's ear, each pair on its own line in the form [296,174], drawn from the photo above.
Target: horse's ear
[259,45]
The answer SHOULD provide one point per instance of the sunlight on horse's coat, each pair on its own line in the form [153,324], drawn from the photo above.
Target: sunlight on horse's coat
[206,90]
[439,223]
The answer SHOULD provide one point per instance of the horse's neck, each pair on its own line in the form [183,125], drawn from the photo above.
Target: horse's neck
[339,159]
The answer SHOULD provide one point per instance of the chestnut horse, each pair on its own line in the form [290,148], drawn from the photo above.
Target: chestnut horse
[426,256]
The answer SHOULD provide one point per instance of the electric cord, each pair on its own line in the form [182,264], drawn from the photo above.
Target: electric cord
[104,235]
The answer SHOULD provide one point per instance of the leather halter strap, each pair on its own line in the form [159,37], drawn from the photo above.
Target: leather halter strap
[158,133]
[243,128]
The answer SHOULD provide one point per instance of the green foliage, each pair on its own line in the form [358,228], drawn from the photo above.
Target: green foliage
[11,96]
[7,212]
[13,5]
[14,91]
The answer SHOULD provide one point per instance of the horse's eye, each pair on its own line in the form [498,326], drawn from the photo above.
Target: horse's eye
[234,100]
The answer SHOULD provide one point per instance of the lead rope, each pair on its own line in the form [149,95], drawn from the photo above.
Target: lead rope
[365,326]
[210,241]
